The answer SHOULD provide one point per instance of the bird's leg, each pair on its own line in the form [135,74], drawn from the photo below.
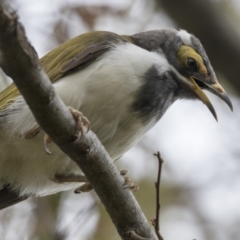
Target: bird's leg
[58,178]
[33,132]
[81,122]
[86,187]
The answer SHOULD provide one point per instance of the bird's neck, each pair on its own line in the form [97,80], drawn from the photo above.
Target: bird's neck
[156,95]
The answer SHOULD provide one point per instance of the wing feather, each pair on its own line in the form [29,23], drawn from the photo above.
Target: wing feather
[72,55]
[8,198]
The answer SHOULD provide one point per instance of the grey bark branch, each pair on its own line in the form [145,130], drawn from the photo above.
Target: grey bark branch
[19,60]
[202,18]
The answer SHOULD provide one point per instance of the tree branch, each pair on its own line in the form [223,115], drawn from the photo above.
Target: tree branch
[19,60]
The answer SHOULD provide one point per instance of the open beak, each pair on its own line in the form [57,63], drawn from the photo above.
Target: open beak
[197,86]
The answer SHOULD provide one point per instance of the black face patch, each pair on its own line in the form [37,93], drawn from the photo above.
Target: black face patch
[155,95]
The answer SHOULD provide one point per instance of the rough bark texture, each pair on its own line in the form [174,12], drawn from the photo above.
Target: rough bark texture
[19,60]
[202,18]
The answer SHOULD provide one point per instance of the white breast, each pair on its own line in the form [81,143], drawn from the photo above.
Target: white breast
[104,92]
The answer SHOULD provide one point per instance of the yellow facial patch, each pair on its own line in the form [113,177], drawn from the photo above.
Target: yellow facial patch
[186,52]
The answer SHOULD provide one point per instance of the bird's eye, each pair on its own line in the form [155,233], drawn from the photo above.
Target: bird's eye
[192,65]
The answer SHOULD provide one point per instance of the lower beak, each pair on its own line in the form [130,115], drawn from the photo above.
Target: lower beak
[202,96]
[215,88]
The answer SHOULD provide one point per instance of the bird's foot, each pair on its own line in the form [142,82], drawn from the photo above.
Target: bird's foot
[128,182]
[81,122]
[87,187]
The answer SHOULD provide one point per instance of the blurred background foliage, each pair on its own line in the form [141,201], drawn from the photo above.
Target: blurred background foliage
[200,190]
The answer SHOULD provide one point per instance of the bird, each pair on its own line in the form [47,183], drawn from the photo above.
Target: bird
[123,85]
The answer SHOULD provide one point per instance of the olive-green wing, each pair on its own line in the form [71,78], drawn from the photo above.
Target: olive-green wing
[8,95]
[70,56]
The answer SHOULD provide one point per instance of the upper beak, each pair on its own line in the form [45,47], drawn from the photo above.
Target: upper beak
[215,88]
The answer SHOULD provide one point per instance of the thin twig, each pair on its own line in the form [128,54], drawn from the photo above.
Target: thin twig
[155,221]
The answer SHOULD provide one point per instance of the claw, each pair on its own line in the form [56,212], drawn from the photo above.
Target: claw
[81,120]
[86,123]
[130,184]
[134,188]
[123,172]
[86,187]
[78,191]
[46,141]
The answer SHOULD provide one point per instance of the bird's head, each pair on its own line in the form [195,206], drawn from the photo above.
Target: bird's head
[188,63]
